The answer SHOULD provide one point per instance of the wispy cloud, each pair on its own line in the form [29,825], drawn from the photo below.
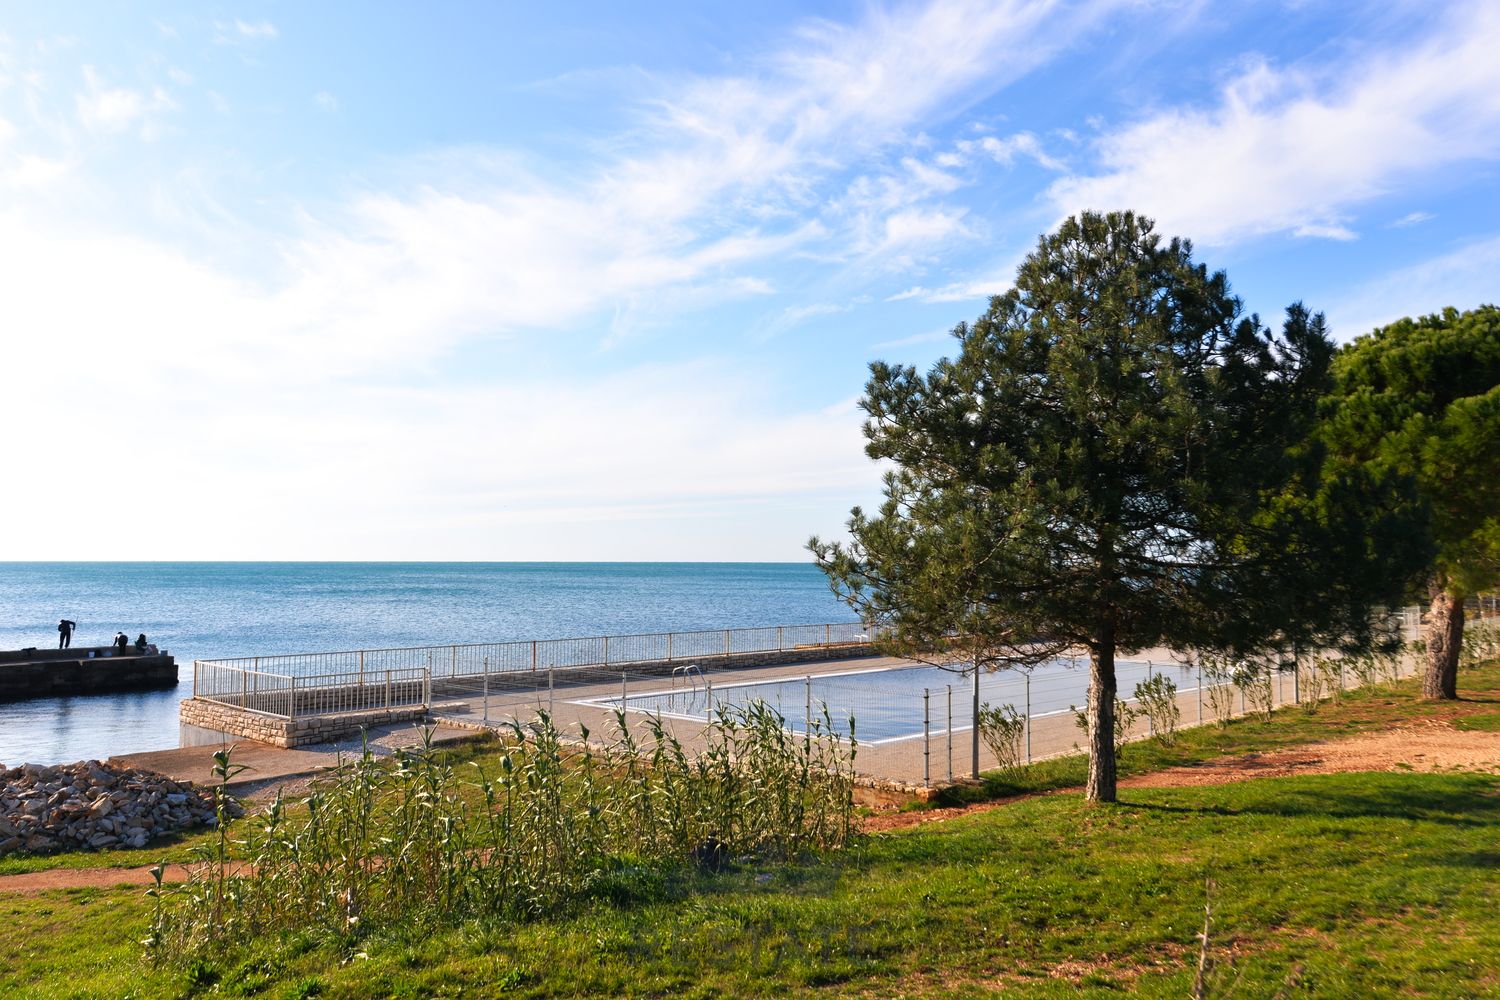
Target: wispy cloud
[324,101]
[1463,278]
[1295,148]
[260,30]
[1413,219]
[103,108]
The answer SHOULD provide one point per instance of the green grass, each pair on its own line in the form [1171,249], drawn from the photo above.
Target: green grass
[1347,885]
[1487,722]
[1376,707]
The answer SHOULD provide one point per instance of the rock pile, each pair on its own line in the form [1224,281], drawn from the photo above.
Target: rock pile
[92,805]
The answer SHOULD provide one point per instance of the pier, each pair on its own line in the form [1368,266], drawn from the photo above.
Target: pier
[50,673]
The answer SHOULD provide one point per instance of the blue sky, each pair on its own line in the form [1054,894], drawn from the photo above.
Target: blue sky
[602,280]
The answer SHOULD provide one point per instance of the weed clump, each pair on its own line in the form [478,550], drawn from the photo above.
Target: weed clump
[416,840]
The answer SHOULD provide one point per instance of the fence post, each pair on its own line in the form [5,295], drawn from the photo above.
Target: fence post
[926,738]
[551,705]
[624,689]
[1150,726]
[726,642]
[533,657]
[1028,717]
[361,668]
[453,661]
[669,647]
[291,708]
[387,687]
[195,678]
[809,703]
[606,651]
[950,734]
[828,635]
[975,732]
[486,691]
[779,646]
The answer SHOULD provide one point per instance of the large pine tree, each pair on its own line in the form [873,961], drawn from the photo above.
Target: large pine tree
[1110,462]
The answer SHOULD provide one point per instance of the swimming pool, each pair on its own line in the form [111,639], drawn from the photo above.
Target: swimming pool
[888,703]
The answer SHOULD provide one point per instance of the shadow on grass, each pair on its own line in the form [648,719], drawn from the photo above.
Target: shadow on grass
[1457,802]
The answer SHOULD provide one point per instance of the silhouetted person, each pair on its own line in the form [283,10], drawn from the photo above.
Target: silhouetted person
[140,644]
[65,633]
[121,641]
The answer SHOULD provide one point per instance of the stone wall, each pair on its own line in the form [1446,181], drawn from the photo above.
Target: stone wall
[53,676]
[281,732]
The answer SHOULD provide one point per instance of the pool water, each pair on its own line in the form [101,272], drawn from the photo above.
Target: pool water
[889,704]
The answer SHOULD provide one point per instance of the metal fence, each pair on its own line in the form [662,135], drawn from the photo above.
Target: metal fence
[299,684]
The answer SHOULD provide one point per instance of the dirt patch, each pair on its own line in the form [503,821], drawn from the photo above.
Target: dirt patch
[1420,746]
[94,878]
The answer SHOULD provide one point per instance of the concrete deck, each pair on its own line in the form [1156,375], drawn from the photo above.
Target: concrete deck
[268,767]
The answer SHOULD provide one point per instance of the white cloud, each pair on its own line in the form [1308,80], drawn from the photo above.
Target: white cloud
[1287,147]
[1325,231]
[1462,278]
[319,381]
[256,30]
[1413,219]
[1005,151]
[324,101]
[929,337]
[105,109]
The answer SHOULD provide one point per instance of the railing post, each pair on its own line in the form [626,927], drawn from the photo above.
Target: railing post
[388,688]
[361,668]
[950,734]
[291,707]
[808,682]
[453,661]
[1150,726]
[486,690]
[975,720]
[926,738]
[827,635]
[606,651]
[669,647]
[726,642]
[779,646]
[1028,717]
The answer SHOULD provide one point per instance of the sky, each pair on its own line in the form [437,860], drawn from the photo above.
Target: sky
[602,281]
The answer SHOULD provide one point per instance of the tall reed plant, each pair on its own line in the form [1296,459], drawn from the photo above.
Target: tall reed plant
[414,839]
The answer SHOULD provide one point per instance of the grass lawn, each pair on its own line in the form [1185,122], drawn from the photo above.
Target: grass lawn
[1339,885]
[1326,885]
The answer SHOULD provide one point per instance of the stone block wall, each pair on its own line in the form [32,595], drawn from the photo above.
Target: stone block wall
[281,732]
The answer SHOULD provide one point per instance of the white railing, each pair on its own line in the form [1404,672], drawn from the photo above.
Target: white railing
[303,684]
[291,696]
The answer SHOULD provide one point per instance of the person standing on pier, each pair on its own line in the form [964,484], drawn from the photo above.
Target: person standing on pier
[65,633]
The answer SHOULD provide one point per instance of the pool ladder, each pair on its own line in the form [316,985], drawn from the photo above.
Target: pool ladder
[692,674]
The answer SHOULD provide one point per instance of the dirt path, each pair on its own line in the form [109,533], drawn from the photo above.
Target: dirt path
[93,878]
[1420,746]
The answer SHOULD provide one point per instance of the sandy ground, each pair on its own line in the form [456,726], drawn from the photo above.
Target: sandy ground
[1421,746]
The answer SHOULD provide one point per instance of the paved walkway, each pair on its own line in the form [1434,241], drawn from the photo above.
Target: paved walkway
[266,767]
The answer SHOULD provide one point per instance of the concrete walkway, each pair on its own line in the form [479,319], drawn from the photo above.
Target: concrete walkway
[267,767]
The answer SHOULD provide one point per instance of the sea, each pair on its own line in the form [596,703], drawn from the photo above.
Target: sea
[202,610]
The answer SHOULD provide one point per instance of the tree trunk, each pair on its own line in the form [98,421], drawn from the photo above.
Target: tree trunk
[1101,717]
[1445,637]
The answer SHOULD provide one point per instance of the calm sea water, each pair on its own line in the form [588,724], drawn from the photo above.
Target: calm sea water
[203,610]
